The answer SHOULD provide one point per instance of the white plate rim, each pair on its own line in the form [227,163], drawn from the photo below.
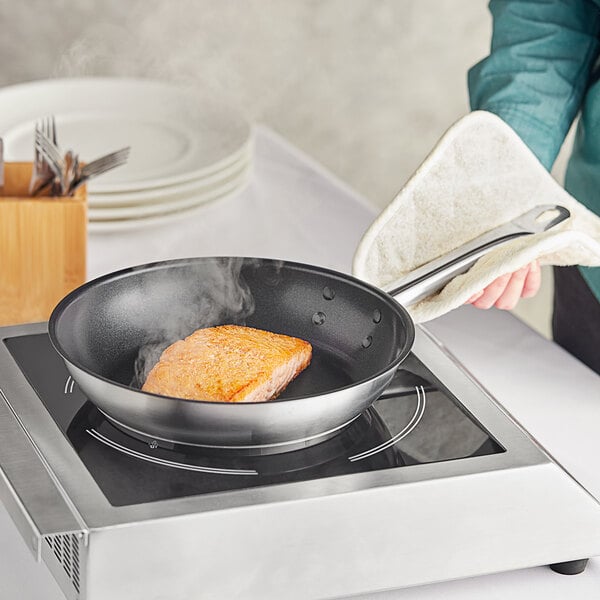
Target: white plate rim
[165,194]
[146,211]
[107,227]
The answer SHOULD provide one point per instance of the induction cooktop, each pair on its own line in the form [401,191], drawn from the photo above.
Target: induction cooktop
[417,421]
[435,481]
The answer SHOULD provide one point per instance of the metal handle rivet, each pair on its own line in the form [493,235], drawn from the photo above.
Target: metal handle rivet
[318,318]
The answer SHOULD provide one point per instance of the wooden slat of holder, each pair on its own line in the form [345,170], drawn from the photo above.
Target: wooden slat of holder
[42,248]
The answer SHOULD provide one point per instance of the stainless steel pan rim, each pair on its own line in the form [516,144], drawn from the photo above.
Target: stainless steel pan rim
[75,296]
[287,446]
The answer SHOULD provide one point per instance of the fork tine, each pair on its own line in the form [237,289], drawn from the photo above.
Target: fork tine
[107,167]
[52,155]
[49,148]
[119,156]
[99,166]
[103,169]
[39,174]
[116,153]
[107,163]
[48,163]
[35,135]
[50,159]
[48,129]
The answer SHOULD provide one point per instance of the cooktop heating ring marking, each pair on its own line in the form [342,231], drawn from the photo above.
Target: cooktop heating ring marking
[168,463]
[69,390]
[414,421]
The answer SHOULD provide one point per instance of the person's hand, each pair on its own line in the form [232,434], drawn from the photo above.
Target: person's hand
[506,291]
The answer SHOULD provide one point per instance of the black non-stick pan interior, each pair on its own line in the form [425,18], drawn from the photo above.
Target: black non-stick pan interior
[125,319]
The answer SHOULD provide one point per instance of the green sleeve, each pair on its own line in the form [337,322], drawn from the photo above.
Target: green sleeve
[539,67]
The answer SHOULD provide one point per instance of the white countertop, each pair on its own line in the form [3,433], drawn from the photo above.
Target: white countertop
[293,209]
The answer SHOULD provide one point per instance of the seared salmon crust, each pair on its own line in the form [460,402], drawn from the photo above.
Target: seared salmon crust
[229,363]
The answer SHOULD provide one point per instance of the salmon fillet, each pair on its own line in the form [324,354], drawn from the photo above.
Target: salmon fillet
[229,363]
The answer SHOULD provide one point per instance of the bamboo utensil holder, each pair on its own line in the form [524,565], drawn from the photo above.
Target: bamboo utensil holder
[42,248]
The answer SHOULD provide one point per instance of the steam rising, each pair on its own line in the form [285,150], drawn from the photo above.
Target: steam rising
[205,294]
[195,43]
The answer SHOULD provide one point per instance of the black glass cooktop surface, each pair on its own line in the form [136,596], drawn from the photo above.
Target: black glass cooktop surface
[416,421]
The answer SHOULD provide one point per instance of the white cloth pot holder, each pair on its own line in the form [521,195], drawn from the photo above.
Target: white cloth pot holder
[479,176]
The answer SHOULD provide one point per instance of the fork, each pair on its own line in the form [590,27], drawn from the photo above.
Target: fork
[42,174]
[104,163]
[99,166]
[64,173]
[53,159]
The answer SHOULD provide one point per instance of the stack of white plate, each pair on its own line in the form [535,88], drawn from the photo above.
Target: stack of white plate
[185,149]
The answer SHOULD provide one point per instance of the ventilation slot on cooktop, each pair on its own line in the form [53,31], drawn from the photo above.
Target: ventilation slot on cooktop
[66,550]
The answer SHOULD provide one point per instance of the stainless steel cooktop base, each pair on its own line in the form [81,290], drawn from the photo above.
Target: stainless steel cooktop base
[324,538]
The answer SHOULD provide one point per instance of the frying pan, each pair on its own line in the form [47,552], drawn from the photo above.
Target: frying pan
[360,335]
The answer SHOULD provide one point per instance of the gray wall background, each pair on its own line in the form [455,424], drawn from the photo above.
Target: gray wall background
[364,86]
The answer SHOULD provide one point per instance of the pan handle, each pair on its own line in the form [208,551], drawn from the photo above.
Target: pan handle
[434,275]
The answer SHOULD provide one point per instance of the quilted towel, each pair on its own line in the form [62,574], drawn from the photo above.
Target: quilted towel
[480,175]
